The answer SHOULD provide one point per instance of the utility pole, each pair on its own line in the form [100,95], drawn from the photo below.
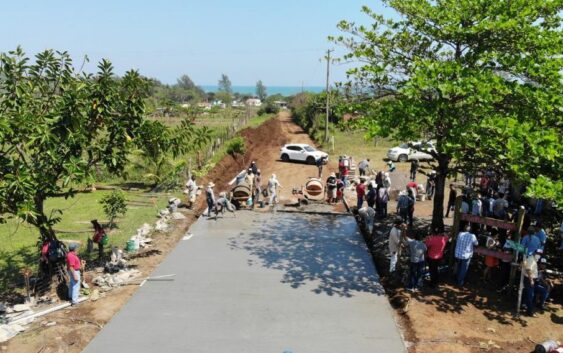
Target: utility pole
[327,91]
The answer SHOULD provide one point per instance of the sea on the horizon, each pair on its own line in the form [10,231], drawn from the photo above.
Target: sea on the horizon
[270,90]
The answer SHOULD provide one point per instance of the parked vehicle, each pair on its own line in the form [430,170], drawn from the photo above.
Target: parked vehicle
[301,152]
[412,150]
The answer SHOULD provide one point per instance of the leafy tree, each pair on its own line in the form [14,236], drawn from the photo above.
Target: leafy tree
[56,125]
[261,90]
[160,146]
[236,146]
[114,205]
[224,97]
[481,78]
[225,84]
[186,82]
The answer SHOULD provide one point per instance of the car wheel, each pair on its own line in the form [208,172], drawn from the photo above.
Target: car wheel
[285,157]
[311,160]
[403,158]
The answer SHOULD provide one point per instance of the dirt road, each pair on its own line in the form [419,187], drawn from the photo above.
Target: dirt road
[263,146]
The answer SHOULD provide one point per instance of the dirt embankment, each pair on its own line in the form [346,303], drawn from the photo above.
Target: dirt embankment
[263,146]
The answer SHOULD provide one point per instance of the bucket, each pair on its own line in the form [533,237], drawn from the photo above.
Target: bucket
[261,203]
[130,246]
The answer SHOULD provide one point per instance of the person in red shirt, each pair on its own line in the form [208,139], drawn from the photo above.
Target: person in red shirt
[73,266]
[98,238]
[436,244]
[361,192]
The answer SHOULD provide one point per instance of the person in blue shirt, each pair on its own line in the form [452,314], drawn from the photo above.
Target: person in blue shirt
[540,233]
[465,243]
[531,242]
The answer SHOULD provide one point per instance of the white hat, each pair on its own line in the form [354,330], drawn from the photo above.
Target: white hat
[210,185]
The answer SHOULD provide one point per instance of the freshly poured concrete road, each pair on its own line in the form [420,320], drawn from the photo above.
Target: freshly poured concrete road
[263,283]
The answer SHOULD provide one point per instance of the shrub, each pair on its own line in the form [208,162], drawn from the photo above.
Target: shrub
[269,108]
[236,146]
[114,205]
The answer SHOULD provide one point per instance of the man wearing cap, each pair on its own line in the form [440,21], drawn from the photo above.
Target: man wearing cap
[331,188]
[73,266]
[210,197]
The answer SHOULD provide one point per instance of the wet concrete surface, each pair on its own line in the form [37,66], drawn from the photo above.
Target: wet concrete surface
[260,282]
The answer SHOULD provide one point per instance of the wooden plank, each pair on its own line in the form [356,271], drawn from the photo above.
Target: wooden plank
[492,222]
[494,253]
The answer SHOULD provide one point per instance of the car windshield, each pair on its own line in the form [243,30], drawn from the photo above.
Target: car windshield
[309,149]
[404,145]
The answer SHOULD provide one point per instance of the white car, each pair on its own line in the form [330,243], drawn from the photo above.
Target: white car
[301,152]
[404,153]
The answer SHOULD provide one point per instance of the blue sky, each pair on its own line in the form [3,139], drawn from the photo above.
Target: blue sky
[279,42]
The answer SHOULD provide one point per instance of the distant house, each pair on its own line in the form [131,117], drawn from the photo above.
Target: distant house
[281,104]
[253,102]
[237,104]
[219,103]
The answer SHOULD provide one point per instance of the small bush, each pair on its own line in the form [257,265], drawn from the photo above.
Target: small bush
[236,146]
[268,108]
[114,205]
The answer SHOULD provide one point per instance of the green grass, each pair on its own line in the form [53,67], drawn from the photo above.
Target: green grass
[18,240]
[353,143]
[259,120]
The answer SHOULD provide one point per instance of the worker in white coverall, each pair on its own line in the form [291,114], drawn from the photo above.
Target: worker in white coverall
[273,185]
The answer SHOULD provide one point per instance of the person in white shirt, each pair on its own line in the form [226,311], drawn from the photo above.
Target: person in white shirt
[273,185]
[191,190]
[394,243]
[368,216]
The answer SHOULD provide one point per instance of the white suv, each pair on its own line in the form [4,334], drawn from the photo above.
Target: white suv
[404,153]
[301,152]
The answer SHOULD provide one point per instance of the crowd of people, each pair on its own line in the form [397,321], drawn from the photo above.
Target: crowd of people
[482,197]
[252,178]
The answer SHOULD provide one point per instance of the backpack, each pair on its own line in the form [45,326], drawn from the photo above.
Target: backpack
[55,252]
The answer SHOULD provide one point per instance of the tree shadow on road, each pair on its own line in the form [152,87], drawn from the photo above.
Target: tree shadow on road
[325,252]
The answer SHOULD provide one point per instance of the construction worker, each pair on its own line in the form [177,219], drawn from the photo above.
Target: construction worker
[224,203]
[210,197]
[257,187]
[273,185]
[191,191]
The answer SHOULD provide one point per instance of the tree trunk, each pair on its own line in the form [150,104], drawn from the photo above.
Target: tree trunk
[438,209]
[41,221]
